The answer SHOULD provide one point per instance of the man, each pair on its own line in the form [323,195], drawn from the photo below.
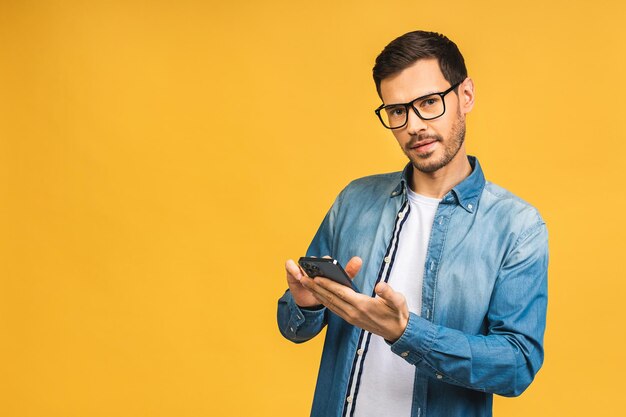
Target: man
[452,268]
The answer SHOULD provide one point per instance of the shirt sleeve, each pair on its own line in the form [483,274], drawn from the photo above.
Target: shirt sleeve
[299,324]
[506,359]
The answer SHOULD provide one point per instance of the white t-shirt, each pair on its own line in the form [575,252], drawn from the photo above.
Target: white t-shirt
[386,383]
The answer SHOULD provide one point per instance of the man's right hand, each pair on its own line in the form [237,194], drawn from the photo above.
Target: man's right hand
[302,296]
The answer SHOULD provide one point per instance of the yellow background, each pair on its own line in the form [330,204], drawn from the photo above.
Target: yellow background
[160,160]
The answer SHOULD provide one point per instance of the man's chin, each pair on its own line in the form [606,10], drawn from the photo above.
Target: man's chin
[427,168]
[426,163]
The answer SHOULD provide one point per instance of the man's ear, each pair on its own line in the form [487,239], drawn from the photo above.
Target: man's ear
[466,96]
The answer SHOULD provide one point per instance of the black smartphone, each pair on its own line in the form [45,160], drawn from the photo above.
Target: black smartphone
[327,268]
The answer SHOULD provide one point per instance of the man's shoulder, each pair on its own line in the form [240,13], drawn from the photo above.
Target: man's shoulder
[376,180]
[501,195]
[373,185]
[507,205]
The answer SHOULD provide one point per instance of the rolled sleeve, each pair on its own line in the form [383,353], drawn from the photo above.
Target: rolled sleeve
[297,324]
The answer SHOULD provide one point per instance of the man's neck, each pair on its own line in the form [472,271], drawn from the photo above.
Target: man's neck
[437,184]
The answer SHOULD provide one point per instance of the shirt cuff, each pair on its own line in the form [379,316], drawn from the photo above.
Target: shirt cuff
[298,316]
[416,341]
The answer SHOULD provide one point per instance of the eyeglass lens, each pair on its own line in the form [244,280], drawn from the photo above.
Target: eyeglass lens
[428,107]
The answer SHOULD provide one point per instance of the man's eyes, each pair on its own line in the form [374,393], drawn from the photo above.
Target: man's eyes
[428,102]
[396,111]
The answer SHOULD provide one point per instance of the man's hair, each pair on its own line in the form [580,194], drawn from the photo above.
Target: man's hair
[404,51]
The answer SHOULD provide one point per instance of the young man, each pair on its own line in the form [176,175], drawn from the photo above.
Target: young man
[452,268]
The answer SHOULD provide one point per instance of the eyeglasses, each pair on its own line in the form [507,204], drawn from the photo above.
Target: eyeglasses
[428,107]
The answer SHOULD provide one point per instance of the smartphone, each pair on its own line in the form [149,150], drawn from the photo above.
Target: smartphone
[327,268]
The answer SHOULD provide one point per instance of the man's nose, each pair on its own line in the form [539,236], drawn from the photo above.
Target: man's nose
[414,124]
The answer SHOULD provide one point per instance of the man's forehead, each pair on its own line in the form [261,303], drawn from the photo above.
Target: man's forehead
[422,78]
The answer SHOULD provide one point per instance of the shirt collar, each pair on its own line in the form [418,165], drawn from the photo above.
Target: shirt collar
[466,193]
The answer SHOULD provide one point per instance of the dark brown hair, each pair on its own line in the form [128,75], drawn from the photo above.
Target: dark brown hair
[404,51]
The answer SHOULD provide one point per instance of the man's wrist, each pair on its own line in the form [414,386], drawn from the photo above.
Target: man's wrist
[393,338]
[311,308]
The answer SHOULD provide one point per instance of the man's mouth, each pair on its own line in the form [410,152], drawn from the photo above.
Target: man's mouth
[424,146]
[423,143]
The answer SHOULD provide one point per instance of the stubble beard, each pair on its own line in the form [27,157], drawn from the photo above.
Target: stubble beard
[422,162]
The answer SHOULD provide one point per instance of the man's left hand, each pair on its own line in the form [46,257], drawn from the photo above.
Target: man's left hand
[385,315]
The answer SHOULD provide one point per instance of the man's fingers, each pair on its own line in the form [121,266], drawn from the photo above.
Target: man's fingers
[293,270]
[331,301]
[353,266]
[313,285]
[391,297]
[327,286]
[331,292]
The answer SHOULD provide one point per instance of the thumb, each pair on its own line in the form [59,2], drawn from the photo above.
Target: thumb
[353,266]
[293,270]
[389,296]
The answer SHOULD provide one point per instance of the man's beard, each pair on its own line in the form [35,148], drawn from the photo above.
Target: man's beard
[451,149]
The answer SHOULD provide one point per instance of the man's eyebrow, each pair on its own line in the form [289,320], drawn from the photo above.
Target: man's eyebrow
[428,93]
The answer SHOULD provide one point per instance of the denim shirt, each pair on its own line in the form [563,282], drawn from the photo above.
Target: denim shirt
[484,295]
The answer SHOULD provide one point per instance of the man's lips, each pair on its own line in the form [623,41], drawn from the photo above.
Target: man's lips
[423,143]
[424,146]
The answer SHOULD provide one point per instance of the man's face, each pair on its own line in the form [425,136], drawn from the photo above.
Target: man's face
[429,144]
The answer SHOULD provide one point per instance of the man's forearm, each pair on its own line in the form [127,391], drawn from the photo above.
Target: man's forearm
[494,363]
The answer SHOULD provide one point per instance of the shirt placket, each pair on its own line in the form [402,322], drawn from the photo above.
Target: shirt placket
[431,268]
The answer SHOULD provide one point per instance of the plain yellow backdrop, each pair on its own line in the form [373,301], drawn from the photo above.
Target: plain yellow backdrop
[160,160]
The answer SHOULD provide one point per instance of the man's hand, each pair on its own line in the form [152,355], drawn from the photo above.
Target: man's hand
[385,315]
[302,296]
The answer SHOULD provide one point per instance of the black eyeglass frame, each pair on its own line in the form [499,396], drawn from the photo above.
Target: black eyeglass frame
[410,103]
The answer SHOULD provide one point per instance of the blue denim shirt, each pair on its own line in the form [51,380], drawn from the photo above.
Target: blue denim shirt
[484,295]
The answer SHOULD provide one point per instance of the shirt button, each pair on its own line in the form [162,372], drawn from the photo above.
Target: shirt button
[387,259]
[404,354]
[291,328]
[439,376]
[469,206]
[359,352]
[349,399]
[401,215]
